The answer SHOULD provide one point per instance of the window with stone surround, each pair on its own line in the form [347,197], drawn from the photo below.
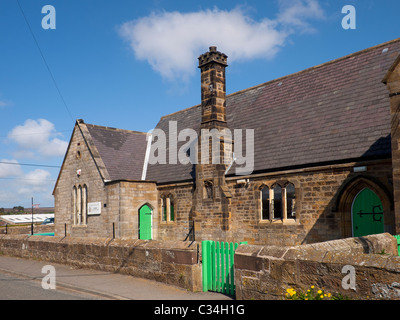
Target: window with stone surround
[171,209]
[277,202]
[167,208]
[290,201]
[265,203]
[79,205]
[208,190]
[164,209]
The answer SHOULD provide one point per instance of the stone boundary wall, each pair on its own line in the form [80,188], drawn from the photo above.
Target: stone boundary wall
[265,272]
[26,229]
[170,262]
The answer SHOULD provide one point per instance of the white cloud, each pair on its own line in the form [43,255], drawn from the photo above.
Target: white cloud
[171,41]
[35,182]
[38,178]
[38,137]
[10,168]
[4,103]
[295,13]
[17,187]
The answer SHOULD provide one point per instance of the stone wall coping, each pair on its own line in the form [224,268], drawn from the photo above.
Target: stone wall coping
[148,244]
[368,250]
[266,272]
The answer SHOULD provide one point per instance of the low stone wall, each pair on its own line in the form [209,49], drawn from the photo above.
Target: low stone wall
[265,272]
[26,229]
[171,262]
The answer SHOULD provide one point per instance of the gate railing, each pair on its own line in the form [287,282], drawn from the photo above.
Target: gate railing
[217,266]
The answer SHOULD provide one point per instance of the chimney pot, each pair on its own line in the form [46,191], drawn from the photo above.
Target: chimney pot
[213,49]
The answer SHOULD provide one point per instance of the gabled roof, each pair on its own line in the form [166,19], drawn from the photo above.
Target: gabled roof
[118,154]
[334,112]
[331,113]
[121,151]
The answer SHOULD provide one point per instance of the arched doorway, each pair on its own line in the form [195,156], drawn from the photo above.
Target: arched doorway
[145,223]
[367,214]
[364,195]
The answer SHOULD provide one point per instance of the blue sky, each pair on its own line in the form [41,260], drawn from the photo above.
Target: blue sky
[126,63]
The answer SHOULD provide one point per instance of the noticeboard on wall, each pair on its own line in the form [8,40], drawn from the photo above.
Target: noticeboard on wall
[94,208]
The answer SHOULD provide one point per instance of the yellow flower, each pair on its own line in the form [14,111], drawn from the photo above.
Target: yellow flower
[322,296]
[329,295]
[290,292]
[312,287]
[319,291]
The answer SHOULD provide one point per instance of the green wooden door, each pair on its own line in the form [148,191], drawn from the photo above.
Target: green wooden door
[367,214]
[145,223]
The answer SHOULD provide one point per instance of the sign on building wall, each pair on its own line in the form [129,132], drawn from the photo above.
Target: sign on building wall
[94,208]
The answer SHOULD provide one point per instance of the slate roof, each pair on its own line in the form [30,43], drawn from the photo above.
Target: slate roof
[121,151]
[338,111]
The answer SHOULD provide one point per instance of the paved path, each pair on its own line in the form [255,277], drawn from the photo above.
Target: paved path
[105,285]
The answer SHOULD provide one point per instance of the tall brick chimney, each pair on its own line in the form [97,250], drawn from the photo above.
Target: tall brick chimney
[212,65]
[211,198]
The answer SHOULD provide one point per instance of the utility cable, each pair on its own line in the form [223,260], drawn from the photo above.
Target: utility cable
[45,62]
[29,164]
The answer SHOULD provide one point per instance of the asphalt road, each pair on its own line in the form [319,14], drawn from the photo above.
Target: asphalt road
[21,279]
[19,288]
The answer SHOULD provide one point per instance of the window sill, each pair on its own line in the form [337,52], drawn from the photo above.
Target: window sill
[280,221]
[79,226]
[167,222]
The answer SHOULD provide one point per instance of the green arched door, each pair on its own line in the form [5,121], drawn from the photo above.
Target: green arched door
[145,215]
[367,214]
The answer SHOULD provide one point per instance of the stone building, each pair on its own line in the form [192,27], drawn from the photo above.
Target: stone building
[308,157]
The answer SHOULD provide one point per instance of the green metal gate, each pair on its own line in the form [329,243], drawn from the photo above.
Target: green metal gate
[217,265]
[398,243]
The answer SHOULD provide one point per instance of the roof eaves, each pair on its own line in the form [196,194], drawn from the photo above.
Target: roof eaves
[391,69]
[93,150]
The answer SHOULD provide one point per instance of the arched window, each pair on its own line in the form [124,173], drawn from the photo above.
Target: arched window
[208,190]
[84,204]
[167,208]
[74,206]
[171,209]
[290,201]
[264,203]
[164,209]
[79,204]
[277,202]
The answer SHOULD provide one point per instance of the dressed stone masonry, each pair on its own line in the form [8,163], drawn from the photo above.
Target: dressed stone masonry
[325,162]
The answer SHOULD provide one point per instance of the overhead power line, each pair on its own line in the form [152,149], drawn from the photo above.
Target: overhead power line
[33,133]
[45,62]
[15,178]
[29,164]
